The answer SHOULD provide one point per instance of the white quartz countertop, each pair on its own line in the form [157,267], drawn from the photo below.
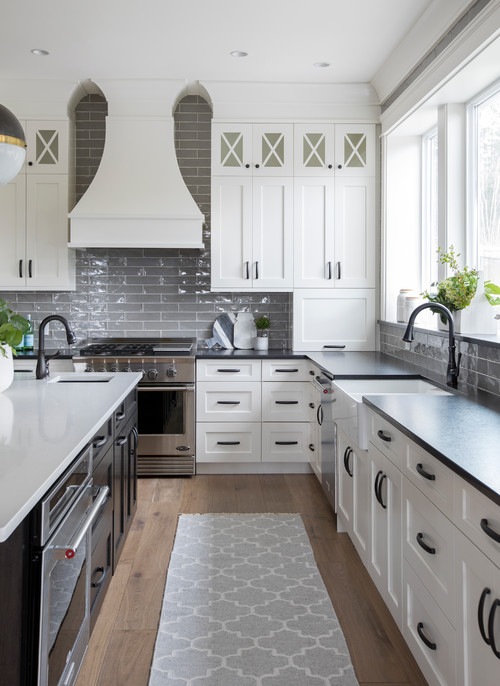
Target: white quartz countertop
[43,427]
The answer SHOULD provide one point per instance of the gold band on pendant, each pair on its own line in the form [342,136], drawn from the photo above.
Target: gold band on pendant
[12,141]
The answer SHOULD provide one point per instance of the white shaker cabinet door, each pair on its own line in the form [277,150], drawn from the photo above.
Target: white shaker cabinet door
[340,319]
[354,150]
[231,233]
[314,150]
[232,149]
[13,233]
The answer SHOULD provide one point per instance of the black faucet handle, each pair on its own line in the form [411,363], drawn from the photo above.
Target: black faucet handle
[51,357]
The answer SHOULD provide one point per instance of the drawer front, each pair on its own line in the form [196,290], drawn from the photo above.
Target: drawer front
[430,476]
[101,442]
[235,442]
[388,439]
[288,401]
[479,518]
[423,621]
[286,370]
[428,544]
[101,560]
[286,442]
[228,370]
[227,401]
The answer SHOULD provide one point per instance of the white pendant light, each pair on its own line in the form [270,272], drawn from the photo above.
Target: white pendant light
[12,146]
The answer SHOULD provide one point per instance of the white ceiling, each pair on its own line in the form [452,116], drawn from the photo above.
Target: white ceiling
[192,39]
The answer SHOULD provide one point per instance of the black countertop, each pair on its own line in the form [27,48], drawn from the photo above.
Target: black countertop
[461,433]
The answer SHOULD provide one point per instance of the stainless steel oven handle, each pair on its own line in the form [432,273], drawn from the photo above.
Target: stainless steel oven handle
[168,387]
[69,551]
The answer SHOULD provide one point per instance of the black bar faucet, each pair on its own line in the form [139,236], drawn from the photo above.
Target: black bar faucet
[453,368]
[42,364]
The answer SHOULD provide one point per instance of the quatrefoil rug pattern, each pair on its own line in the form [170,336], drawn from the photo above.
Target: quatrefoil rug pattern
[245,605]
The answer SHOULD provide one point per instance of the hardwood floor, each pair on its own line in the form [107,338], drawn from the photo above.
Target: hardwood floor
[122,643]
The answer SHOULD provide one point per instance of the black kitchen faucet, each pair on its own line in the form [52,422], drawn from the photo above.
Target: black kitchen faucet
[42,364]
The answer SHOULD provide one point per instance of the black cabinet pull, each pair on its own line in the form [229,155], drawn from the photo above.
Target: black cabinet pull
[100,441]
[102,572]
[347,455]
[491,628]
[226,370]
[311,405]
[121,440]
[320,415]
[228,442]
[489,531]
[120,416]
[311,447]
[286,442]
[247,166]
[385,437]
[423,544]
[257,269]
[329,270]
[336,347]
[20,269]
[135,434]
[379,480]
[422,472]
[228,402]
[247,270]
[339,270]
[286,371]
[420,631]
[480,615]
[286,402]
[30,268]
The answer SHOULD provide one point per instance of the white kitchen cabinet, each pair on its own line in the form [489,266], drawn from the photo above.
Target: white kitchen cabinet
[229,442]
[479,616]
[287,370]
[334,232]
[330,149]
[228,370]
[245,149]
[286,401]
[252,233]
[385,561]
[339,319]
[479,519]
[286,441]
[228,401]
[34,215]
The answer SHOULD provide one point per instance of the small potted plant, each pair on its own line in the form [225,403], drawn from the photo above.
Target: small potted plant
[262,325]
[458,291]
[12,327]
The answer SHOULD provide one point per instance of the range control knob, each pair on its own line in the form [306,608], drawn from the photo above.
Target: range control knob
[127,369]
[89,369]
[152,374]
[114,369]
[171,371]
[102,368]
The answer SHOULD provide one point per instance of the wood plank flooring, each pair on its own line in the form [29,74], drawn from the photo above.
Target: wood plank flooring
[122,643]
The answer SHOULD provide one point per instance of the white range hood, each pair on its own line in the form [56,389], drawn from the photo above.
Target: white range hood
[138,197]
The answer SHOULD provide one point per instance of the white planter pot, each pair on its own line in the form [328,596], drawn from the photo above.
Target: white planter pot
[261,343]
[6,368]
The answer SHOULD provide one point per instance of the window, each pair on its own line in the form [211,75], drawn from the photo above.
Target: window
[430,242]
[484,193]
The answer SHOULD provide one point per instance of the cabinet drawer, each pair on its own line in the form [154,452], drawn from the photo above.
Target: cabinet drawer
[286,370]
[388,439]
[424,621]
[429,546]
[227,401]
[228,370]
[479,518]
[430,476]
[288,401]
[286,442]
[101,560]
[101,442]
[224,442]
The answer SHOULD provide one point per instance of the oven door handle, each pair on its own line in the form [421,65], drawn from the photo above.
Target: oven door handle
[168,387]
[69,551]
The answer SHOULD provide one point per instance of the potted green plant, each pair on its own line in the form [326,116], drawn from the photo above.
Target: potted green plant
[458,291]
[262,325]
[12,327]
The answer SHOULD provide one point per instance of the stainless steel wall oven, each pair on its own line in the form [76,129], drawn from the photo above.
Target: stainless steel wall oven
[166,397]
[61,547]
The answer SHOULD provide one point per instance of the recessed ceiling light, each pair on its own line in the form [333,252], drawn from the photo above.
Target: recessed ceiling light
[321,65]
[40,52]
[238,53]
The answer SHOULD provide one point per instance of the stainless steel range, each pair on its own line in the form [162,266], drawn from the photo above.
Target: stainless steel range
[166,407]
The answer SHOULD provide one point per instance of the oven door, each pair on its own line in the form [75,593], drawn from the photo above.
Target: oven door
[65,592]
[166,420]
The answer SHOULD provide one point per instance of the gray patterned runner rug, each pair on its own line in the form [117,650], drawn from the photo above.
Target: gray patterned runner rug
[245,605]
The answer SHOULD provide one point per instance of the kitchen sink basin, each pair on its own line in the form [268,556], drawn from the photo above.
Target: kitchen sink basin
[72,377]
[352,414]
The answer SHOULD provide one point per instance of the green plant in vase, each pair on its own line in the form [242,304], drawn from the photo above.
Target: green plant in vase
[12,328]
[262,325]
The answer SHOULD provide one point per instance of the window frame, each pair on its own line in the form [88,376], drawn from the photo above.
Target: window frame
[428,254]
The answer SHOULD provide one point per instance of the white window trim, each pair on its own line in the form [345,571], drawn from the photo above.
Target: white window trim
[426,208]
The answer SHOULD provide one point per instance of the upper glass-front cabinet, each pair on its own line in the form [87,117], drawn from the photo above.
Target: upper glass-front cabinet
[252,149]
[334,149]
[46,147]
